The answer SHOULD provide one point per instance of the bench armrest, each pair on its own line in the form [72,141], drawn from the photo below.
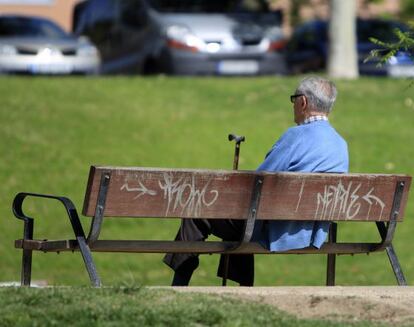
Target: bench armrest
[76,226]
[67,203]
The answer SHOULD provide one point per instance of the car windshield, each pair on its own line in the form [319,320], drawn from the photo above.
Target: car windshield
[210,6]
[29,27]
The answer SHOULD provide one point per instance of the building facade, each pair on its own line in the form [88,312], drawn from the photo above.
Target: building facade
[61,11]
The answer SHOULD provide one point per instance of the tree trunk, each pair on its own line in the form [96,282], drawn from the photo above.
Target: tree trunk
[342,56]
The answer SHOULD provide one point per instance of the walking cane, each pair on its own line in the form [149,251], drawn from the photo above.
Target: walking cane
[237,139]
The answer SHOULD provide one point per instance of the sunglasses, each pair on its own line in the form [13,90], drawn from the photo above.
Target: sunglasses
[293,97]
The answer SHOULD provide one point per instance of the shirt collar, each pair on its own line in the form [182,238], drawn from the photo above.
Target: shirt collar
[312,119]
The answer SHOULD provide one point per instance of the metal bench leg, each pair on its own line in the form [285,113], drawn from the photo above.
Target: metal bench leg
[83,246]
[331,262]
[395,264]
[89,264]
[26,274]
[26,268]
[392,256]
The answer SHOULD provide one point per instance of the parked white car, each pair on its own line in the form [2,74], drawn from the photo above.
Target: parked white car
[34,45]
[184,37]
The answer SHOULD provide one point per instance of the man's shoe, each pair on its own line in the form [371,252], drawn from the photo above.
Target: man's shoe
[184,272]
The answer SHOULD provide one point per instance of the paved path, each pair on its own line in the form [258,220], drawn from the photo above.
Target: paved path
[389,304]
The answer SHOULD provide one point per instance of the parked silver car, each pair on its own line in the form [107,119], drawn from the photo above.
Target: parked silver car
[223,37]
[34,45]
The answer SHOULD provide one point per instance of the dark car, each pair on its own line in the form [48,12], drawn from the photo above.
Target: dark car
[308,48]
[224,37]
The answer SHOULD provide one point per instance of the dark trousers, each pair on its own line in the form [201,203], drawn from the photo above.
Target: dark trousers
[240,267]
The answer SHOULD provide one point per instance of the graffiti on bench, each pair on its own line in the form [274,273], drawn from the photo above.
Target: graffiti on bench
[188,195]
[181,193]
[338,200]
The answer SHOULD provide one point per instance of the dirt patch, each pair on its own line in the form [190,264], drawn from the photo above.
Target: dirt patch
[380,304]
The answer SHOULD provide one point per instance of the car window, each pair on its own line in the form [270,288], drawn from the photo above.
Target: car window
[309,36]
[133,13]
[96,19]
[30,27]
[211,6]
[94,12]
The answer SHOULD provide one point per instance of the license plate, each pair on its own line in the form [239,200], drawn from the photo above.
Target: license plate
[401,71]
[50,69]
[238,67]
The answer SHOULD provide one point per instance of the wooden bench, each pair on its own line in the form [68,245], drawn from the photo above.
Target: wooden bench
[220,194]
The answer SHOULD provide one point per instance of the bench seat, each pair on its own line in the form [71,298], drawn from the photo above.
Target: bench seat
[209,247]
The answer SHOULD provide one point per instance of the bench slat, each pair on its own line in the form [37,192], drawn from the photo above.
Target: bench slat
[188,247]
[189,193]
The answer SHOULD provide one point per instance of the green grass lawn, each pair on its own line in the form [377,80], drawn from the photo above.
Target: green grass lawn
[126,306]
[53,129]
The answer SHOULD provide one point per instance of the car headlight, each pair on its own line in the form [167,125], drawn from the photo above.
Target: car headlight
[181,37]
[392,60]
[87,50]
[7,50]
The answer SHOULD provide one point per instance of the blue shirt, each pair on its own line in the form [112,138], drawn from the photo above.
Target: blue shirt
[313,147]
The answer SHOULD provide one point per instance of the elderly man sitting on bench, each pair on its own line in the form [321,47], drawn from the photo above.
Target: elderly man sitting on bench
[311,146]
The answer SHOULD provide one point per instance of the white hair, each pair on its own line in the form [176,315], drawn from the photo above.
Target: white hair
[320,93]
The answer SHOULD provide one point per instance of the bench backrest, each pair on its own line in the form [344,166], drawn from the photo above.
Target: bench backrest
[190,193]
